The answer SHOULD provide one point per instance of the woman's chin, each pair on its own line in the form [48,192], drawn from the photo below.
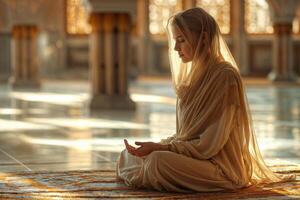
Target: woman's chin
[184,60]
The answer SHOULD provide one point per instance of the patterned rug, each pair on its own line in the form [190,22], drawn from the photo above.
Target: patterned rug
[101,184]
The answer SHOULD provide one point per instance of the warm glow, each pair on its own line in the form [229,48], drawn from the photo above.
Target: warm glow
[159,13]
[153,99]
[257,17]
[53,98]
[10,111]
[78,99]
[267,144]
[14,111]
[84,124]
[296,25]
[95,144]
[11,125]
[77,18]
[220,10]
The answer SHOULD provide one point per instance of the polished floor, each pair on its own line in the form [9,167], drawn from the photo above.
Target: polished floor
[53,129]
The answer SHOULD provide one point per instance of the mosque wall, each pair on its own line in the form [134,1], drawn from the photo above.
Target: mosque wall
[259,55]
[47,15]
[59,51]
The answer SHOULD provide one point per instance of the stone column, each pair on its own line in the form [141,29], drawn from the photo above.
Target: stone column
[144,41]
[240,47]
[186,4]
[25,72]
[110,46]
[5,46]
[109,60]
[282,53]
[283,15]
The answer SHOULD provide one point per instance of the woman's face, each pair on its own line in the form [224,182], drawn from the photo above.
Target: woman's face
[182,46]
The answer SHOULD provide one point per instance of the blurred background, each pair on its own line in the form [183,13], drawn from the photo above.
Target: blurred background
[78,76]
[63,41]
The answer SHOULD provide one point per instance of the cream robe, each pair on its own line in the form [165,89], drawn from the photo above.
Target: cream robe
[214,147]
[212,160]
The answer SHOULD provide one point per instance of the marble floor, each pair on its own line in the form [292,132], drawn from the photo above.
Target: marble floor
[53,128]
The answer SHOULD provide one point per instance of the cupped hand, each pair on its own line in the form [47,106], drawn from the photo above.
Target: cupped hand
[130,149]
[144,149]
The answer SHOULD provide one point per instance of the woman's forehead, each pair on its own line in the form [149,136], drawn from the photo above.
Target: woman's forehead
[176,32]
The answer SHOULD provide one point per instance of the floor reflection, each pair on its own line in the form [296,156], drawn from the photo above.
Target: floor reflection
[53,129]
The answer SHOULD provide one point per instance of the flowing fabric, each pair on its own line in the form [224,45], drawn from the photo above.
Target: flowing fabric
[214,146]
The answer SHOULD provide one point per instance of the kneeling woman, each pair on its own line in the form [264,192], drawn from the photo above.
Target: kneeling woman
[214,147]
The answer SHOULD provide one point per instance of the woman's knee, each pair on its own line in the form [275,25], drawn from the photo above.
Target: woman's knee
[156,158]
[122,153]
[154,155]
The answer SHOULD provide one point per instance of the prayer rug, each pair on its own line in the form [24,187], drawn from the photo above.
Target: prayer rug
[102,184]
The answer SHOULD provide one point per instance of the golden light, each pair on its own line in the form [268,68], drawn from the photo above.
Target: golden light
[12,125]
[53,98]
[85,124]
[95,144]
[77,18]
[257,17]
[220,10]
[159,13]
[153,99]
[15,111]
[10,111]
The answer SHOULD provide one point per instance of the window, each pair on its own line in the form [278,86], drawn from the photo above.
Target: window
[220,10]
[159,13]
[258,18]
[296,25]
[76,18]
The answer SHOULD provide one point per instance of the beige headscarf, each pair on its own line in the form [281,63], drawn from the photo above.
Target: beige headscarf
[207,86]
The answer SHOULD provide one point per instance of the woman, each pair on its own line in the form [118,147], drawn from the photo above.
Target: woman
[214,147]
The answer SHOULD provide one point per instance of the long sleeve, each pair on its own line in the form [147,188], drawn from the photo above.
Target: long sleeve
[168,139]
[222,119]
[211,141]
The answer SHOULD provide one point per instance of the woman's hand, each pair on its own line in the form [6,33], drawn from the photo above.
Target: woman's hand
[145,148]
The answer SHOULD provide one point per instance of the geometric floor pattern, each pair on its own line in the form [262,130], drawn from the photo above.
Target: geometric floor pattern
[102,184]
[53,129]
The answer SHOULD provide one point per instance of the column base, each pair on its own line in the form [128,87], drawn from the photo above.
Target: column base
[112,102]
[273,76]
[25,84]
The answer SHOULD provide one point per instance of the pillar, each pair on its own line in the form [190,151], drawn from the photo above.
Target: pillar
[239,39]
[25,72]
[5,46]
[283,53]
[144,40]
[283,16]
[186,4]
[109,59]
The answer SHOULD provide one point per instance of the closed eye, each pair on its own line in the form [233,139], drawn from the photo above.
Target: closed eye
[180,39]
